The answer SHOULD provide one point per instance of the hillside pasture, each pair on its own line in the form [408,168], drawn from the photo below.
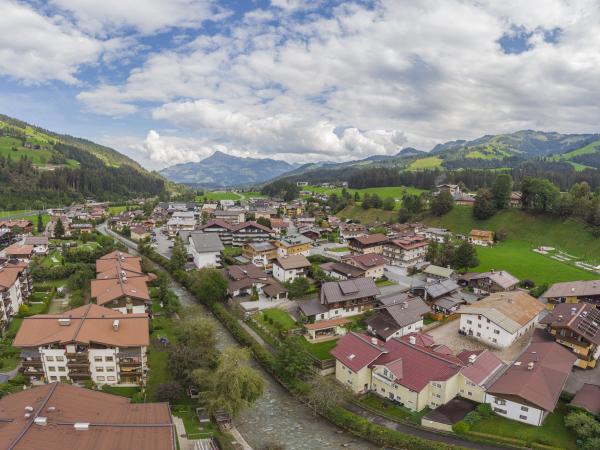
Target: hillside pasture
[429,162]
[219,195]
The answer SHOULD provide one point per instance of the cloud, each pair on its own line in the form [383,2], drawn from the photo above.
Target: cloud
[36,49]
[173,150]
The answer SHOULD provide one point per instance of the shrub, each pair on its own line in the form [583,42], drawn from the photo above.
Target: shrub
[461,427]
[472,418]
[484,410]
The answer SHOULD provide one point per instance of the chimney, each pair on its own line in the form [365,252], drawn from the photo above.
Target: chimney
[472,358]
[412,340]
[43,421]
[81,426]
[573,311]
[530,365]
[64,321]
[374,341]
[116,325]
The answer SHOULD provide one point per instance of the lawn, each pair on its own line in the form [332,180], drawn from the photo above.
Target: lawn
[568,235]
[385,282]
[116,210]
[193,428]
[430,162]
[123,391]
[282,321]
[552,432]
[252,194]
[355,212]
[219,195]
[320,350]
[157,360]
[391,409]
[232,252]
[338,249]
[396,192]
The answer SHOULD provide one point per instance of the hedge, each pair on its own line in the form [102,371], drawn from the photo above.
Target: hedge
[339,416]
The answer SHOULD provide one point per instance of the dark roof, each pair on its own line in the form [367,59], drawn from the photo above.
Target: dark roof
[367,260]
[245,271]
[441,287]
[312,307]
[371,239]
[452,412]
[341,291]
[573,289]
[537,376]
[398,310]
[344,269]
[581,318]
[588,397]
[292,262]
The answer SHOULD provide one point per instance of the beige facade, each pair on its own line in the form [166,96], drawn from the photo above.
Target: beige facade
[358,382]
[470,390]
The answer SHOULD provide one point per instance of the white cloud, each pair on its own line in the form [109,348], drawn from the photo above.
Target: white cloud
[36,49]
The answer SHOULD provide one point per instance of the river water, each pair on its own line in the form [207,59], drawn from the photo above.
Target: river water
[276,417]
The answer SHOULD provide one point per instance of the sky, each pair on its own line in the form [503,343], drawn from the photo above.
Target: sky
[172,81]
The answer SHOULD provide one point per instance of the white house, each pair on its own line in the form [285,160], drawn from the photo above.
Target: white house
[288,268]
[40,244]
[501,318]
[15,286]
[205,248]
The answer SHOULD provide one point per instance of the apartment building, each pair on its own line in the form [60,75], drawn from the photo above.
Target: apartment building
[296,244]
[371,243]
[86,343]
[16,285]
[407,251]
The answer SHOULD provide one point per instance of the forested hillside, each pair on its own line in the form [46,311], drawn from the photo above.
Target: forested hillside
[41,168]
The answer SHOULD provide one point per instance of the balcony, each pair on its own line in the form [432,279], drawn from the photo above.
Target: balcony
[80,374]
[32,370]
[31,362]
[131,371]
[130,362]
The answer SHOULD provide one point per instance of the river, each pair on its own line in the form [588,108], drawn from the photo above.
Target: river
[276,417]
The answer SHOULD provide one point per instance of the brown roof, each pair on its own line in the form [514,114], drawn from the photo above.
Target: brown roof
[106,290]
[115,423]
[36,240]
[19,250]
[371,239]
[326,324]
[245,271]
[537,376]
[573,289]
[581,318]
[482,234]
[501,277]
[588,397]
[344,269]
[120,259]
[8,276]
[367,260]
[89,323]
[292,262]
[410,242]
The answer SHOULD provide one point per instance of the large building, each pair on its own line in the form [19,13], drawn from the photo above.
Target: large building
[501,318]
[576,326]
[573,292]
[59,416]
[371,243]
[407,251]
[15,287]
[373,264]
[296,244]
[86,343]
[529,390]
[204,248]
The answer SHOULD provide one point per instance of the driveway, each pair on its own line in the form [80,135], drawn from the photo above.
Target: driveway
[163,244]
[580,376]
[447,334]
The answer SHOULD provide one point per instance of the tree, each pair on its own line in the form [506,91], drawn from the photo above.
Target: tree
[292,360]
[356,196]
[465,256]
[324,394]
[179,255]
[209,285]
[501,190]
[538,194]
[442,204]
[389,204]
[298,288]
[584,424]
[366,203]
[234,386]
[40,223]
[264,222]
[254,296]
[59,228]
[484,206]
[169,392]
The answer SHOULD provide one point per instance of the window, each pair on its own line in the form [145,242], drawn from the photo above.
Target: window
[100,378]
[109,359]
[49,358]
[469,322]
[52,369]
[98,358]
[53,378]
[499,401]
[110,369]
[110,378]
[500,411]
[494,340]
[523,417]
[61,368]
[497,331]
[524,408]
[99,369]
[60,358]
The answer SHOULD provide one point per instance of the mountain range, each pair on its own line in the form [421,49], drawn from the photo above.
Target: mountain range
[222,170]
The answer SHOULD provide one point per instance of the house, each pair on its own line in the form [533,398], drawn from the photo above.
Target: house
[249,232]
[204,248]
[288,268]
[18,226]
[574,292]
[450,303]
[18,251]
[516,199]
[243,280]
[481,237]
[530,388]
[59,416]
[341,299]
[266,213]
[588,398]
[261,254]
[434,272]
[279,226]
[16,285]
[209,208]
[139,233]
[450,188]
[407,251]
[489,282]
[576,326]
[433,234]
[435,289]
[412,370]
[82,228]
[342,270]
[295,244]
[370,243]
[232,216]
[325,330]
[500,318]
[223,229]
[176,224]
[397,315]
[351,230]
[372,264]
[39,243]
[86,343]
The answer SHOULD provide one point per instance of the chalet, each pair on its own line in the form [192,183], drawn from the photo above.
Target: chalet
[326,330]
[342,270]
[262,254]
[85,343]
[489,282]
[18,251]
[249,232]
[435,289]
[342,299]
[139,233]
[40,244]
[265,213]
[232,216]
[433,272]
[577,327]
[481,237]
[372,264]
[574,292]
[81,228]
[18,226]
[433,234]
[288,268]
[223,229]
[279,226]
[530,388]
[351,230]
[371,243]
[408,251]
[243,280]
[293,245]
[464,199]
[397,315]
[204,248]
[501,318]
[176,224]
[63,416]
[450,188]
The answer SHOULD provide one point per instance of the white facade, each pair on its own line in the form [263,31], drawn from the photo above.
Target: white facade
[396,256]
[485,330]
[285,275]
[135,309]
[407,329]
[516,411]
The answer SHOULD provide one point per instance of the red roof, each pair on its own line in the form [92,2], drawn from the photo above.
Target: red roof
[357,351]
[486,364]
[367,260]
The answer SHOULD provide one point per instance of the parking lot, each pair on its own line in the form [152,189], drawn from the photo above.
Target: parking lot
[447,334]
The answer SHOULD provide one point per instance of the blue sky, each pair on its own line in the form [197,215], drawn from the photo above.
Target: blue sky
[171,81]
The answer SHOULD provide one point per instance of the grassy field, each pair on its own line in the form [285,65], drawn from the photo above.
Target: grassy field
[552,432]
[396,192]
[116,210]
[320,350]
[355,212]
[219,195]
[429,162]
[12,148]
[281,319]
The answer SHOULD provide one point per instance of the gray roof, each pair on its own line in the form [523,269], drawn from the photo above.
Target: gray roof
[312,307]
[343,269]
[501,277]
[439,288]
[341,291]
[438,271]
[295,239]
[404,308]
[206,242]
[36,240]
